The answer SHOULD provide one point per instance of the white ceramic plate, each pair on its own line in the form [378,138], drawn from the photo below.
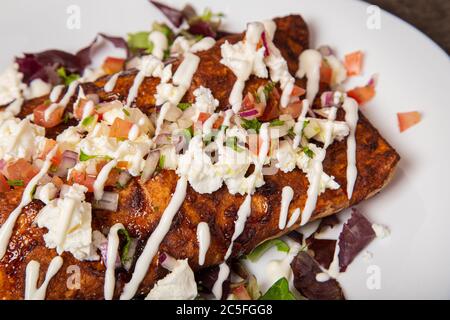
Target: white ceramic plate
[414,261]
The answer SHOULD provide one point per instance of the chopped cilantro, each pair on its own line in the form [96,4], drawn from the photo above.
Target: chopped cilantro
[291,133]
[232,142]
[87,121]
[308,152]
[16,183]
[268,88]
[124,256]
[276,123]
[66,118]
[126,112]
[251,124]
[68,79]
[184,105]
[86,157]
[162,160]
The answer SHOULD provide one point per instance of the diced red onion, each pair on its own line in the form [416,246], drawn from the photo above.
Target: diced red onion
[124,177]
[325,51]
[68,161]
[167,261]
[373,81]
[163,139]
[150,165]
[326,99]
[248,113]
[180,142]
[104,253]
[266,47]
[109,201]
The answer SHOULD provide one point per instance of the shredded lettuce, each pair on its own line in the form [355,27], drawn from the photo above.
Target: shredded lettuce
[67,78]
[140,41]
[279,291]
[253,124]
[263,247]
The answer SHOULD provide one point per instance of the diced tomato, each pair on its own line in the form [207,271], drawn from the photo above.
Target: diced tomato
[84,179]
[407,119]
[120,128]
[362,94]
[20,170]
[294,109]
[203,116]
[353,63]
[4,186]
[49,145]
[55,118]
[218,123]
[79,109]
[298,91]
[113,65]
[249,103]
[241,293]
[122,164]
[326,73]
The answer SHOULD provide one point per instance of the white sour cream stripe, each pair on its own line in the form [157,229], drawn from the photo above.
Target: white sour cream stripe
[204,240]
[7,227]
[286,197]
[351,117]
[153,242]
[111,256]
[32,277]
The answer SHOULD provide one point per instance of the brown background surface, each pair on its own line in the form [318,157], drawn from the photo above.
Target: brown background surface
[430,16]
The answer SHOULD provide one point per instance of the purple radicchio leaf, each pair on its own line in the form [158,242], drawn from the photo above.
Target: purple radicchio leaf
[175,16]
[322,250]
[202,28]
[305,270]
[84,55]
[356,234]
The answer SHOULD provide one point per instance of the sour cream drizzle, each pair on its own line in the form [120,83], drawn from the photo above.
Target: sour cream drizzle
[351,117]
[309,64]
[111,83]
[286,197]
[56,92]
[27,196]
[155,239]
[63,102]
[111,257]
[99,183]
[203,239]
[32,277]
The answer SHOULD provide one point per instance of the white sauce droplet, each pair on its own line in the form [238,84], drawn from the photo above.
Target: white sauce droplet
[204,239]
[111,83]
[32,277]
[309,64]
[286,197]
[99,183]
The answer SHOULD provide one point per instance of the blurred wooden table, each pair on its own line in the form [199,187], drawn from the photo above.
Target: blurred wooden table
[430,16]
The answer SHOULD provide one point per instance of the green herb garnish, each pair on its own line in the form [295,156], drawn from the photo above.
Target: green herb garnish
[251,124]
[232,142]
[140,41]
[87,121]
[276,123]
[68,79]
[279,291]
[161,162]
[263,247]
[86,157]
[16,183]
[126,112]
[164,29]
[268,88]
[184,105]
[308,152]
[126,248]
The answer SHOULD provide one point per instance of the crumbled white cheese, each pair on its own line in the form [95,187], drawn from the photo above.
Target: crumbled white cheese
[179,284]
[71,211]
[37,88]
[20,139]
[181,45]
[160,43]
[69,139]
[381,231]
[134,115]
[11,85]
[46,192]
